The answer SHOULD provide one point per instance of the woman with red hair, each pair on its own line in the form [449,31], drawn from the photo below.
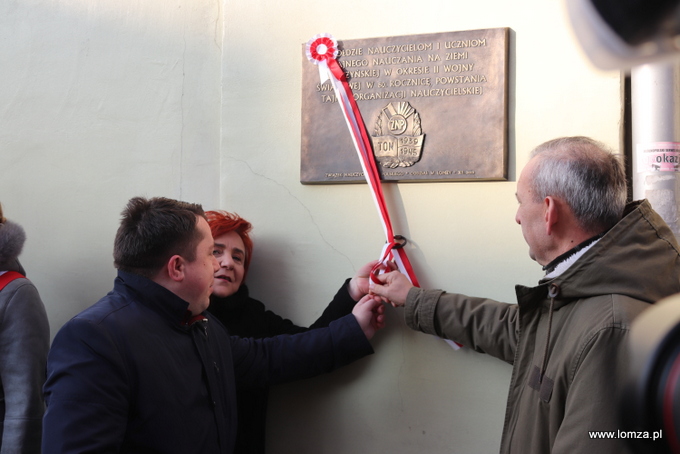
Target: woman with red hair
[247,317]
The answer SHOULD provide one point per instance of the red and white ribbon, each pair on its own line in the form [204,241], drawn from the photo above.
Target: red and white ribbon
[322,50]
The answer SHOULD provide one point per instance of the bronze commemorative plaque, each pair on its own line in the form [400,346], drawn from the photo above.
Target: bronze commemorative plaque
[435,107]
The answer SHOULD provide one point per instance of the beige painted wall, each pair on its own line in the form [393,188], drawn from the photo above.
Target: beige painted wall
[200,100]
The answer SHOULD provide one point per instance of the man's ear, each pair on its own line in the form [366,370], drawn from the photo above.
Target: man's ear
[175,268]
[551,214]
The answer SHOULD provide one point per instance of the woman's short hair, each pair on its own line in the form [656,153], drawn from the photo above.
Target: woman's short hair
[222,222]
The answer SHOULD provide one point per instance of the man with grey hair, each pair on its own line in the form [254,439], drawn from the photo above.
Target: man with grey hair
[605,262]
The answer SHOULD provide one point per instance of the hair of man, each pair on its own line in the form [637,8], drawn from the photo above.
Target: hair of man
[152,231]
[586,175]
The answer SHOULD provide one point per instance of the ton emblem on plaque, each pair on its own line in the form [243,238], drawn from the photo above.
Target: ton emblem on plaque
[398,136]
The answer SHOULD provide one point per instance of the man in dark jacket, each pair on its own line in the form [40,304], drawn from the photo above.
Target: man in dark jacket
[147,369]
[605,262]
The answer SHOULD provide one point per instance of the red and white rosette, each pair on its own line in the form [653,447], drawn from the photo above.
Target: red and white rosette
[319,50]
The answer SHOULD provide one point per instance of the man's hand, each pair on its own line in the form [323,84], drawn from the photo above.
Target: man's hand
[369,312]
[358,285]
[394,289]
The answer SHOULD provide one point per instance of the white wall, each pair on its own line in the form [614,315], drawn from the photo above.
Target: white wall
[99,102]
[200,100]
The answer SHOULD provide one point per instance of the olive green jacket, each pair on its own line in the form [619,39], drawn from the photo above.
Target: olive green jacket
[564,358]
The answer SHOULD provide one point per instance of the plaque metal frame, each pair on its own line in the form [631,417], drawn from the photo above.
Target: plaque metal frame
[435,106]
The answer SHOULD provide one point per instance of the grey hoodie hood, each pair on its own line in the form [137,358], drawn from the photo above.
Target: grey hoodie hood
[12,238]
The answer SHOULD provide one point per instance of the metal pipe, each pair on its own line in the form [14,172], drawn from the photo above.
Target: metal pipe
[655,103]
